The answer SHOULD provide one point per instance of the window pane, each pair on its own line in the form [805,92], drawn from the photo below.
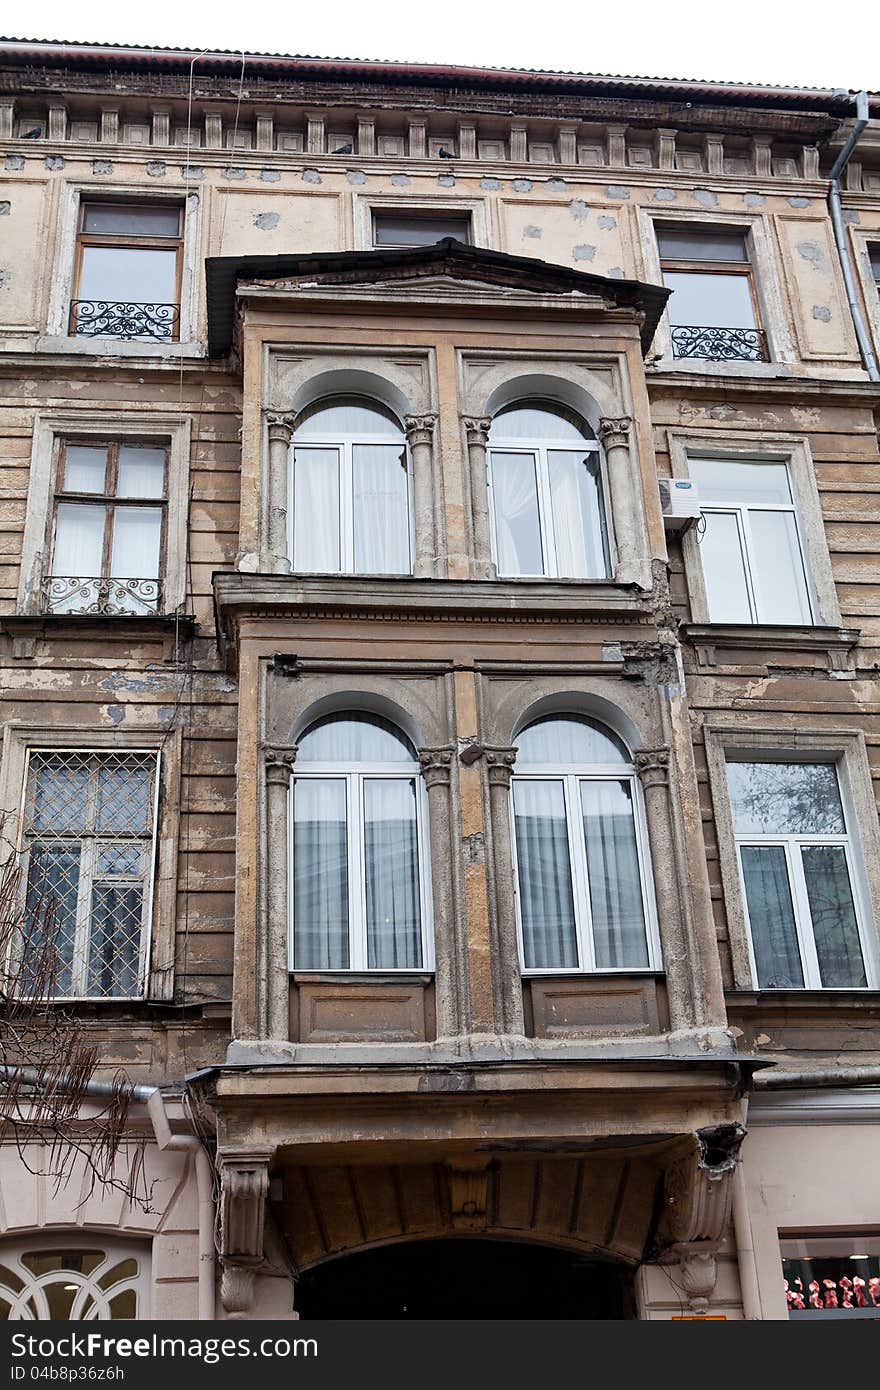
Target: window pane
[778,569]
[117,273]
[115,939]
[731,480]
[79,539]
[320,875]
[771,917]
[517,524]
[141,471]
[724,571]
[381,509]
[614,879]
[785,798]
[120,219]
[84,468]
[58,794]
[569,740]
[124,797]
[834,916]
[316,541]
[714,301]
[578,515]
[50,906]
[137,534]
[347,415]
[681,244]
[392,873]
[354,738]
[537,421]
[390,229]
[546,901]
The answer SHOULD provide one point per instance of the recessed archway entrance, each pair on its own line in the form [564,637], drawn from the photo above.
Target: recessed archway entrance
[465,1278]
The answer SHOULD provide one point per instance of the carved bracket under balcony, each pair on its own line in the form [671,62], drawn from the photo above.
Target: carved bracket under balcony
[244,1186]
[697,1201]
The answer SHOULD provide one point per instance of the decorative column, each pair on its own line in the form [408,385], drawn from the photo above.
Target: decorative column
[420,431]
[506,973]
[244,1186]
[279,766]
[450,977]
[652,766]
[626,509]
[279,428]
[476,428]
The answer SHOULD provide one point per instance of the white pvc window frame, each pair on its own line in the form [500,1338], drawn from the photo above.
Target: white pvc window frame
[343,445]
[354,775]
[539,448]
[800,903]
[741,512]
[571,779]
[88,873]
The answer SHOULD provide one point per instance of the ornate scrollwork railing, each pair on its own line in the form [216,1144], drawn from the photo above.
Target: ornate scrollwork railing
[719,344]
[101,318]
[104,597]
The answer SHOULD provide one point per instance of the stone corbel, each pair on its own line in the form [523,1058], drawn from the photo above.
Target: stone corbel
[469,1192]
[244,1186]
[698,1196]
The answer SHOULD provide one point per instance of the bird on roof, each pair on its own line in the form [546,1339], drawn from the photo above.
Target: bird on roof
[344,149]
[32,134]
[444,153]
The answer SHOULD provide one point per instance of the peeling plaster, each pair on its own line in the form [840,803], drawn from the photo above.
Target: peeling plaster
[15,161]
[116,714]
[156,168]
[54,161]
[446,180]
[401,180]
[102,166]
[5,277]
[132,685]
[754,200]
[556,185]
[851,217]
[811,251]
[617,190]
[523,185]
[665,195]
[234,173]
[607,223]
[355,176]
[583,252]
[191,171]
[4,208]
[270,176]
[617,272]
[485,181]
[579,210]
[822,312]
[311,176]
[531,230]
[267,221]
[795,202]
[705,197]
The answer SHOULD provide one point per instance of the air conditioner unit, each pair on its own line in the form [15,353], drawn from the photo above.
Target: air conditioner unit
[679,503]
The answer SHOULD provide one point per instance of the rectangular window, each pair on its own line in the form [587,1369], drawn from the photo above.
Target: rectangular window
[874,258]
[127,273]
[108,529]
[750,548]
[713,308]
[548,512]
[832,1276]
[89,841]
[419,228]
[796,866]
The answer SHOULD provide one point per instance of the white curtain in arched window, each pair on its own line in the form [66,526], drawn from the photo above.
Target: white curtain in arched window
[584,893]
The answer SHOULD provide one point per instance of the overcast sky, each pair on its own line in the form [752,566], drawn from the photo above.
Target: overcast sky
[763,41]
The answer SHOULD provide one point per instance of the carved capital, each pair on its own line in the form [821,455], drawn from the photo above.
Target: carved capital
[698,1187]
[652,765]
[419,429]
[280,426]
[279,764]
[614,432]
[476,428]
[499,765]
[436,765]
[244,1184]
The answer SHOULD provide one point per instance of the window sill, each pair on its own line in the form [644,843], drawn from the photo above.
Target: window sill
[24,624]
[695,366]
[835,644]
[118,347]
[803,999]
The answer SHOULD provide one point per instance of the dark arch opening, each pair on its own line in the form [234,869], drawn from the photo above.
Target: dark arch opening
[465,1278]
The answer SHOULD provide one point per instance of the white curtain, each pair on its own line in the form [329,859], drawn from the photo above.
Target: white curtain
[320,874]
[834,919]
[517,524]
[578,515]
[619,938]
[771,917]
[544,867]
[79,539]
[354,738]
[381,509]
[392,874]
[137,532]
[316,540]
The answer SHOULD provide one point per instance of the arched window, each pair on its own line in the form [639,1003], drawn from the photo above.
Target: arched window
[350,510]
[548,507]
[359,876]
[43,1279]
[585,898]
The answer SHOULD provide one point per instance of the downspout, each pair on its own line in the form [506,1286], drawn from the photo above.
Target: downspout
[151,1096]
[849,280]
[750,1288]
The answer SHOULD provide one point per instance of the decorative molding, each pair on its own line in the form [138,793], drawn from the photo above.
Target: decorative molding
[419,429]
[280,425]
[847,1105]
[244,1186]
[614,432]
[279,763]
[652,765]
[436,765]
[499,765]
[698,1273]
[477,429]
[698,1188]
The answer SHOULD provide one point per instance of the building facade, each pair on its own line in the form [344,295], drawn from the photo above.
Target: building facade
[439,637]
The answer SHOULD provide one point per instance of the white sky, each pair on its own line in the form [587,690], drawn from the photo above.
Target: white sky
[807,43]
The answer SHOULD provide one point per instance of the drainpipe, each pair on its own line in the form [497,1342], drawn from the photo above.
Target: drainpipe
[745,1250]
[151,1096]
[812,1080]
[864,339]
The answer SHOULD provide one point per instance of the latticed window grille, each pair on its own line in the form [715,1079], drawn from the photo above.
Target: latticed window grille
[89,839]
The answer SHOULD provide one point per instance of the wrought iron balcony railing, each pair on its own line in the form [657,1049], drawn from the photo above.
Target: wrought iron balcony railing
[104,597]
[101,318]
[719,344]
